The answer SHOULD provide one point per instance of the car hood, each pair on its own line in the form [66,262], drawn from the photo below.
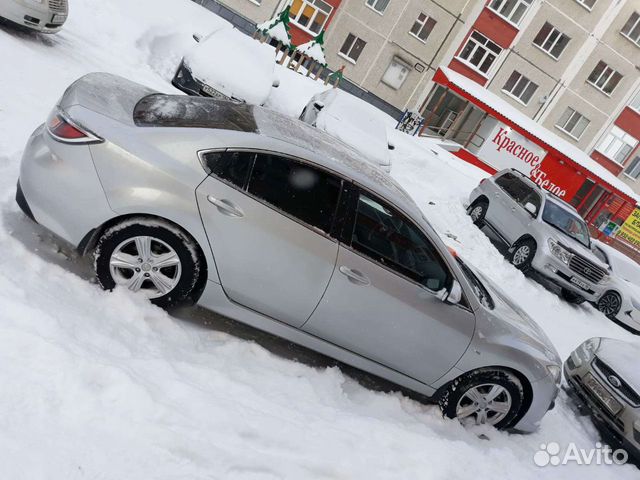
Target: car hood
[622,357]
[575,246]
[510,320]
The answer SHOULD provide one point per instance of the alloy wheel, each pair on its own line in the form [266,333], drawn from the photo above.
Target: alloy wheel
[609,304]
[521,255]
[488,404]
[145,264]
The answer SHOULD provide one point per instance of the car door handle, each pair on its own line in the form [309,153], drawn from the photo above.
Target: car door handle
[355,276]
[226,207]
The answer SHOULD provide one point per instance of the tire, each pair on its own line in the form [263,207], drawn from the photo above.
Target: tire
[468,398]
[522,254]
[571,297]
[129,255]
[477,212]
[610,304]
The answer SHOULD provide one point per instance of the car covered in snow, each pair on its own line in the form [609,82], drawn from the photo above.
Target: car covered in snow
[269,221]
[244,73]
[46,16]
[353,121]
[542,232]
[603,375]
[621,300]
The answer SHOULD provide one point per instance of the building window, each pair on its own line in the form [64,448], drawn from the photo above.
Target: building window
[617,145]
[588,4]
[551,40]
[378,5]
[396,73]
[604,78]
[511,10]
[422,27]
[520,87]
[480,52]
[352,47]
[635,103]
[311,15]
[633,170]
[572,123]
[631,29]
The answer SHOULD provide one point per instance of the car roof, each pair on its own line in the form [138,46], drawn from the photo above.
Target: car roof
[546,193]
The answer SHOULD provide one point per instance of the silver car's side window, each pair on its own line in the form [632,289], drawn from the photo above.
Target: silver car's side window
[230,167]
[387,237]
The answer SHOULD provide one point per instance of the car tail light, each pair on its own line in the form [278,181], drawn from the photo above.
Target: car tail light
[66,131]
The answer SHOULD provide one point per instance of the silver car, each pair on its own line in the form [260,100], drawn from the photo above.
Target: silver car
[542,232]
[603,374]
[269,221]
[46,16]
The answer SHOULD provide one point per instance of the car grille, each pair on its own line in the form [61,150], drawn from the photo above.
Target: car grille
[58,5]
[602,410]
[625,390]
[586,269]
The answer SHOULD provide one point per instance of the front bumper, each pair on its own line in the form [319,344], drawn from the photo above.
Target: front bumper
[619,427]
[35,16]
[545,392]
[559,273]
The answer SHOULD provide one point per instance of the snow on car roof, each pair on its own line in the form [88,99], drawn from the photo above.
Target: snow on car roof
[507,110]
[325,147]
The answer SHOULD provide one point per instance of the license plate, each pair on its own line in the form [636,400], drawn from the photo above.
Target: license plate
[59,19]
[602,394]
[580,283]
[212,92]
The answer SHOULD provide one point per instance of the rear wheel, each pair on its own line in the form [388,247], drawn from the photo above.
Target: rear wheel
[477,212]
[522,254]
[571,297]
[610,304]
[148,256]
[484,397]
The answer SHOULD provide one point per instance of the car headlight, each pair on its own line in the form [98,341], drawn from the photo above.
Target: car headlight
[589,348]
[555,372]
[559,252]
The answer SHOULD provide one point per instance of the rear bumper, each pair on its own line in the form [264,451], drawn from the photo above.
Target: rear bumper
[31,15]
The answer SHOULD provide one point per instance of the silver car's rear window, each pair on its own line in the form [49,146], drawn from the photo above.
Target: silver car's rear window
[159,110]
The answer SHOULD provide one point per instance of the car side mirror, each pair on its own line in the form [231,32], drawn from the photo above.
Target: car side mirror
[455,294]
[276,83]
[531,208]
[318,105]
[197,37]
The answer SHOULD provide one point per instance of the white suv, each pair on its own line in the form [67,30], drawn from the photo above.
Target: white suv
[542,231]
[46,16]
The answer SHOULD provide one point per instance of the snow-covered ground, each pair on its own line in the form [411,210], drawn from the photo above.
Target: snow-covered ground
[99,385]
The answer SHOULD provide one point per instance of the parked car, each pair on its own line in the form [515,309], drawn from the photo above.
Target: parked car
[244,74]
[621,300]
[269,221]
[542,232]
[353,121]
[46,16]
[603,375]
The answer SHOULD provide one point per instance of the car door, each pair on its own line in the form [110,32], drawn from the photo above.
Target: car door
[504,204]
[268,219]
[384,299]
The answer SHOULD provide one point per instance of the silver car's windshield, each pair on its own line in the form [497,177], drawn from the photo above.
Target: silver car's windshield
[568,223]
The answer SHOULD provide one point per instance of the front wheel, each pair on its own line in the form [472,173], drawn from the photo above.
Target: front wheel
[610,304]
[571,297]
[484,397]
[522,254]
[149,256]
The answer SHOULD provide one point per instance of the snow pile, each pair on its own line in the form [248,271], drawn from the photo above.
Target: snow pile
[99,385]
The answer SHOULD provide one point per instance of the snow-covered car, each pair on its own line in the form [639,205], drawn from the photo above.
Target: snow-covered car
[46,16]
[264,219]
[245,73]
[355,122]
[621,300]
[603,374]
